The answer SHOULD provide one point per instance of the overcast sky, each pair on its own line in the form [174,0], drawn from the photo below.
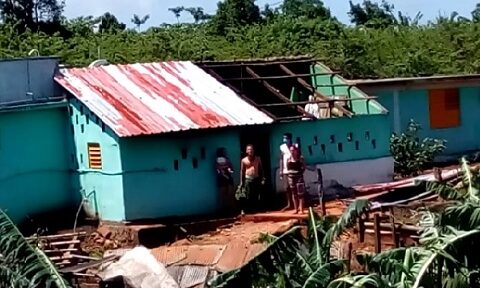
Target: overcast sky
[158,9]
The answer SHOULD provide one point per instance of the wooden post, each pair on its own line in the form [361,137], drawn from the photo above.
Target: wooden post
[361,229]
[349,256]
[378,236]
[437,173]
[394,229]
[321,192]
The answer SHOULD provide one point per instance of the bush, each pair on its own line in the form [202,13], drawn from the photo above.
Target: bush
[412,155]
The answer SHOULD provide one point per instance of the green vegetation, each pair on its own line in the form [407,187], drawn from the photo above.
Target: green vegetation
[22,264]
[381,42]
[410,154]
[446,256]
[293,260]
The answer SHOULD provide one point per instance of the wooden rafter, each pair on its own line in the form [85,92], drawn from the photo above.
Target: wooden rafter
[317,101]
[277,93]
[252,63]
[240,94]
[312,89]
[281,77]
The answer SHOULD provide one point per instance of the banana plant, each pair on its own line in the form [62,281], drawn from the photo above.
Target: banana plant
[447,255]
[292,260]
[22,264]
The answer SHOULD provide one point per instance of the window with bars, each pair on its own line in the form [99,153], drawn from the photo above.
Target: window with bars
[94,156]
[444,107]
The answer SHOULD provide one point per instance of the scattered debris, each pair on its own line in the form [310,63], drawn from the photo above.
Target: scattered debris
[108,237]
[63,249]
[138,269]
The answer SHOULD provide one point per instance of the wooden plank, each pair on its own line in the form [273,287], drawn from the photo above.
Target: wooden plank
[316,101]
[59,243]
[252,63]
[276,77]
[60,250]
[276,92]
[361,230]
[59,236]
[399,227]
[310,88]
[85,266]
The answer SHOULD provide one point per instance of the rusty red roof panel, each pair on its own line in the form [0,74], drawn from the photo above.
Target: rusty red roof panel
[154,98]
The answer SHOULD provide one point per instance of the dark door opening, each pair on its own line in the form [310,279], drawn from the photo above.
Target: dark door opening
[259,137]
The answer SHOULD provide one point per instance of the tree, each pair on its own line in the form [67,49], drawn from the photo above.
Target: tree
[268,13]
[139,21]
[371,14]
[31,13]
[476,13]
[309,9]
[405,20]
[110,23]
[177,11]
[235,14]
[198,14]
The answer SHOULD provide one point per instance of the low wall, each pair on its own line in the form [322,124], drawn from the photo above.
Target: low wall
[339,176]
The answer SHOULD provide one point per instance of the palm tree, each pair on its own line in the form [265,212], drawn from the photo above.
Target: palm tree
[139,21]
[177,11]
[21,264]
[292,260]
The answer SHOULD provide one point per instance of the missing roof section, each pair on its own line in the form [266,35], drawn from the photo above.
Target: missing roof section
[278,86]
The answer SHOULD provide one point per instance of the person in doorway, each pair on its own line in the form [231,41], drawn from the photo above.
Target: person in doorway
[251,181]
[225,181]
[284,156]
[296,182]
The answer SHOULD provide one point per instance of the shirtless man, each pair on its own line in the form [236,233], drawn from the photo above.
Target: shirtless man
[251,178]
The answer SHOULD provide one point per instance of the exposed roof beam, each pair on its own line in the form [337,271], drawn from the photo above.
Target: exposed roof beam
[276,92]
[346,99]
[283,77]
[247,63]
[310,88]
[240,94]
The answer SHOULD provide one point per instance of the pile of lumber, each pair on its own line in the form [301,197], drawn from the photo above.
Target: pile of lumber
[62,249]
[384,224]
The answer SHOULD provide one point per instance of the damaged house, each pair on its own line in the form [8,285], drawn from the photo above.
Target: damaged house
[138,141]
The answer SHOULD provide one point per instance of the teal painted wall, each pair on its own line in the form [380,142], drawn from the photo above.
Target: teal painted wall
[336,139]
[102,190]
[413,104]
[153,188]
[358,106]
[35,164]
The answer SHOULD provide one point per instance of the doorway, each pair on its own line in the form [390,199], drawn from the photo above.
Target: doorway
[259,137]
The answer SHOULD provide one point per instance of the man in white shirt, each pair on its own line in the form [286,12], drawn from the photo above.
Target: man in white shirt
[312,108]
[284,156]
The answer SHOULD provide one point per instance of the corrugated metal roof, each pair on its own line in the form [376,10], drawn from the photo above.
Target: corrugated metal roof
[142,99]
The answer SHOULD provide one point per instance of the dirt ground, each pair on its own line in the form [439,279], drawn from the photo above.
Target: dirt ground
[247,231]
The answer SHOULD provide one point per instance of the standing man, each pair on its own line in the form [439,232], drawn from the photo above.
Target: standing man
[285,154]
[251,180]
[225,181]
